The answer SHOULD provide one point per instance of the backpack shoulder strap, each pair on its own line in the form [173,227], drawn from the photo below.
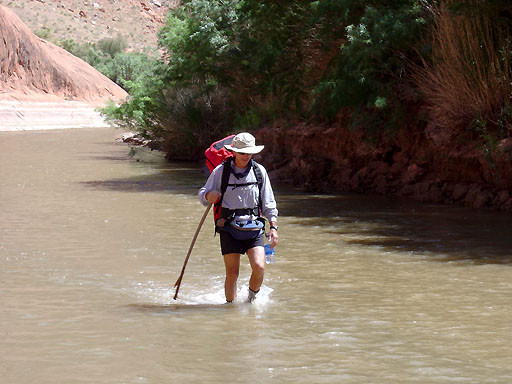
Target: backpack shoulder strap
[257,173]
[226,170]
[259,179]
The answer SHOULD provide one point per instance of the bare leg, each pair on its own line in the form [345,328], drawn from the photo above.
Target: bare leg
[257,259]
[232,264]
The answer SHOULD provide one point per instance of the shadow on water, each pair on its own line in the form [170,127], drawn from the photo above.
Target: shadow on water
[446,233]
[180,178]
[180,307]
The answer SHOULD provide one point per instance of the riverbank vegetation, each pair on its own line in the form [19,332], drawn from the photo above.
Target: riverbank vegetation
[109,57]
[236,65]
[466,81]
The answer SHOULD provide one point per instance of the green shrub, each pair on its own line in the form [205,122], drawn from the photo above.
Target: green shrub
[261,60]
[126,68]
[109,58]
[112,46]
[44,33]
[363,78]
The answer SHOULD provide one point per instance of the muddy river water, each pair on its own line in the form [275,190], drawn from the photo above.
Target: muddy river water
[365,289]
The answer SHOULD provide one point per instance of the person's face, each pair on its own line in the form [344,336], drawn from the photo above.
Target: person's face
[242,159]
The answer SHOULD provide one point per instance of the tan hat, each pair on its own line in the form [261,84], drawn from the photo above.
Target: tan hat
[244,143]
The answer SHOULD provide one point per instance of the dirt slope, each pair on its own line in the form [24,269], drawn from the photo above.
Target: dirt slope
[136,21]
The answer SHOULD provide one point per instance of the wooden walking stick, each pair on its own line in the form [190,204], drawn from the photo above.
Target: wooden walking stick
[178,282]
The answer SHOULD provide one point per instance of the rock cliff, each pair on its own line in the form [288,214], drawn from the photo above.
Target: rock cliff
[416,162]
[34,69]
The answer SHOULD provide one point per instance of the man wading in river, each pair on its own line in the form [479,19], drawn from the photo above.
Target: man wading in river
[248,195]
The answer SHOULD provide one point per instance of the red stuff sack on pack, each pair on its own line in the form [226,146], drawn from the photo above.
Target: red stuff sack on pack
[216,153]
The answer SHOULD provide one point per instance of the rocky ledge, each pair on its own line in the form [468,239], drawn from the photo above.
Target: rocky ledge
[410,164]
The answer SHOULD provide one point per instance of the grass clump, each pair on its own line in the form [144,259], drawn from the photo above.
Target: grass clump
[466,81]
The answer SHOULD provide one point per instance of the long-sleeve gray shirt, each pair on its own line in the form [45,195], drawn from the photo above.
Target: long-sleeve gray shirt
[242,196]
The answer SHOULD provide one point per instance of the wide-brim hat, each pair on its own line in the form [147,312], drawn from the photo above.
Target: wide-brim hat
[244,143]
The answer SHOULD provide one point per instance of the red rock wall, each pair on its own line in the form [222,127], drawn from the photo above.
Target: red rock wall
[421,164]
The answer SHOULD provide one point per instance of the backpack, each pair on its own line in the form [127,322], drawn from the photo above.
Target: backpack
[216,154]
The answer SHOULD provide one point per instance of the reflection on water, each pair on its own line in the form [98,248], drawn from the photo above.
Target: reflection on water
[366,289]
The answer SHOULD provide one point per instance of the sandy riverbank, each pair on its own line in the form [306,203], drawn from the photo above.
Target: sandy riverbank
[41,115]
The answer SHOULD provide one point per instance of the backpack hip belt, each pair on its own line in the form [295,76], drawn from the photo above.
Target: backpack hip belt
[230,214]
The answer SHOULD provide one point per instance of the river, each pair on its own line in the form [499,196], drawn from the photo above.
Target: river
[366,289]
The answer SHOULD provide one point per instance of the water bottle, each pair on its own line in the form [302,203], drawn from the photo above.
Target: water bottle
[270,254]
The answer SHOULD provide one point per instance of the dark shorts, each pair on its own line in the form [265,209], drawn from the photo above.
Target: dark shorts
[228,244]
